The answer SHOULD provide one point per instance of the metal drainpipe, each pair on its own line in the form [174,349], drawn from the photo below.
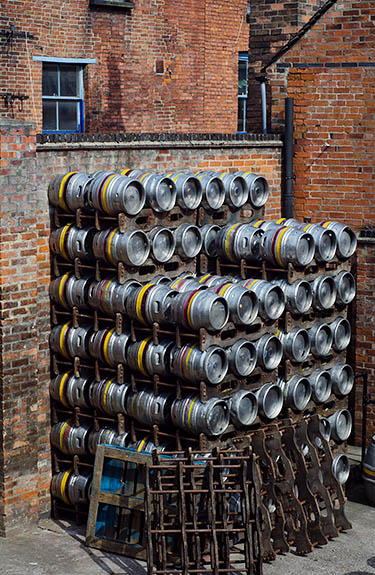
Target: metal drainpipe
[288,155]
[263,100]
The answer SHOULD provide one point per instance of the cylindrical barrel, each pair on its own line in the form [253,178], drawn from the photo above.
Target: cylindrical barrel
[270,400]
[69,291]
[258,188]
[341,424]
[112,194]
[209,233]
[162,243]
[70,488]
[296,344]
[236,189]
[325,240]
[243,408]
[109,296]
[298,295]
[342,376]
[243,304]
[108,396]
[341,332]
[239,241]
[68,191]
[150,358]
[71,242]
[341,468]
[105,435]
[146,444]
[132,247]
[185,283]
[321,385]
[149,408]
[191,364]
[151,303]
[271,298]
[70,341]
[190,414]
[346,238]
[71,391]
[346,289]
[324,292]
[242,357]
[321,339]
[188,240]
[109,347]
[213,191]
[70,439]
[297,392]
[199,308]
[188,189]
[283,245]
[269,351]
[160,190]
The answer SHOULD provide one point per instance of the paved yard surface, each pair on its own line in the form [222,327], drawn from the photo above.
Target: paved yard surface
[56,549]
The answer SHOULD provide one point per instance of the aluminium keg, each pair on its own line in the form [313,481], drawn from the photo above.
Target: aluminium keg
[243,407]
[345,236]
[265,224]
[199,308]
[70,341]
[342,376]
[242,357]
[346,289]
[189,190]
[239,241]
[269,351]
[298,295]
[69,291]
[71,489]
[109,296]
[70,439]
[108,396]
[111,193]
[324,292]
[297,392]
[162,243]
[236,188]
[185,283]
[193,416]
[325,239]
[71,242]
[109,347]
[243,304]
[71,391]
[188,240]
[270,400]
[283,245]
[213,191]
[321,385]
[341,468]
[148,408]
[150,358]
[321,339]
[258,188]
[150,303]
[132,247]
[191,364]
[160,190]
[296,344]
[341,424]
[341,332]
[146,444]
[105,435]
[209,233]
[68,191]
[271,298]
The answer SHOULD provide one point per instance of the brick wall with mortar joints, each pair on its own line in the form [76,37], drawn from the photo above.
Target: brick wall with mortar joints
[198,42]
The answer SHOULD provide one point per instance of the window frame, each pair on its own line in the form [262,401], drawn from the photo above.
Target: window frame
[243,57]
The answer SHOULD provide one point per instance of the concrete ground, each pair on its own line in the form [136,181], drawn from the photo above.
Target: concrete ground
[55,548]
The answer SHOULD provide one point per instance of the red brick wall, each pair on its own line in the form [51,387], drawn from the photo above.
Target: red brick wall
[328,74]
[197,40]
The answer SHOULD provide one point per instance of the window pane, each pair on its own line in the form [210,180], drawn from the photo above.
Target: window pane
[241,127]
[49,115]
[50,80]
[242,78]
[68,80]
[68,116]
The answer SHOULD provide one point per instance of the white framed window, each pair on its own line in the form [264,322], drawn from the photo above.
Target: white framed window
[243,61]
[62,97]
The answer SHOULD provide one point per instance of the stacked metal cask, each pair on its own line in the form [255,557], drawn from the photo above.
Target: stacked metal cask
[182,319]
